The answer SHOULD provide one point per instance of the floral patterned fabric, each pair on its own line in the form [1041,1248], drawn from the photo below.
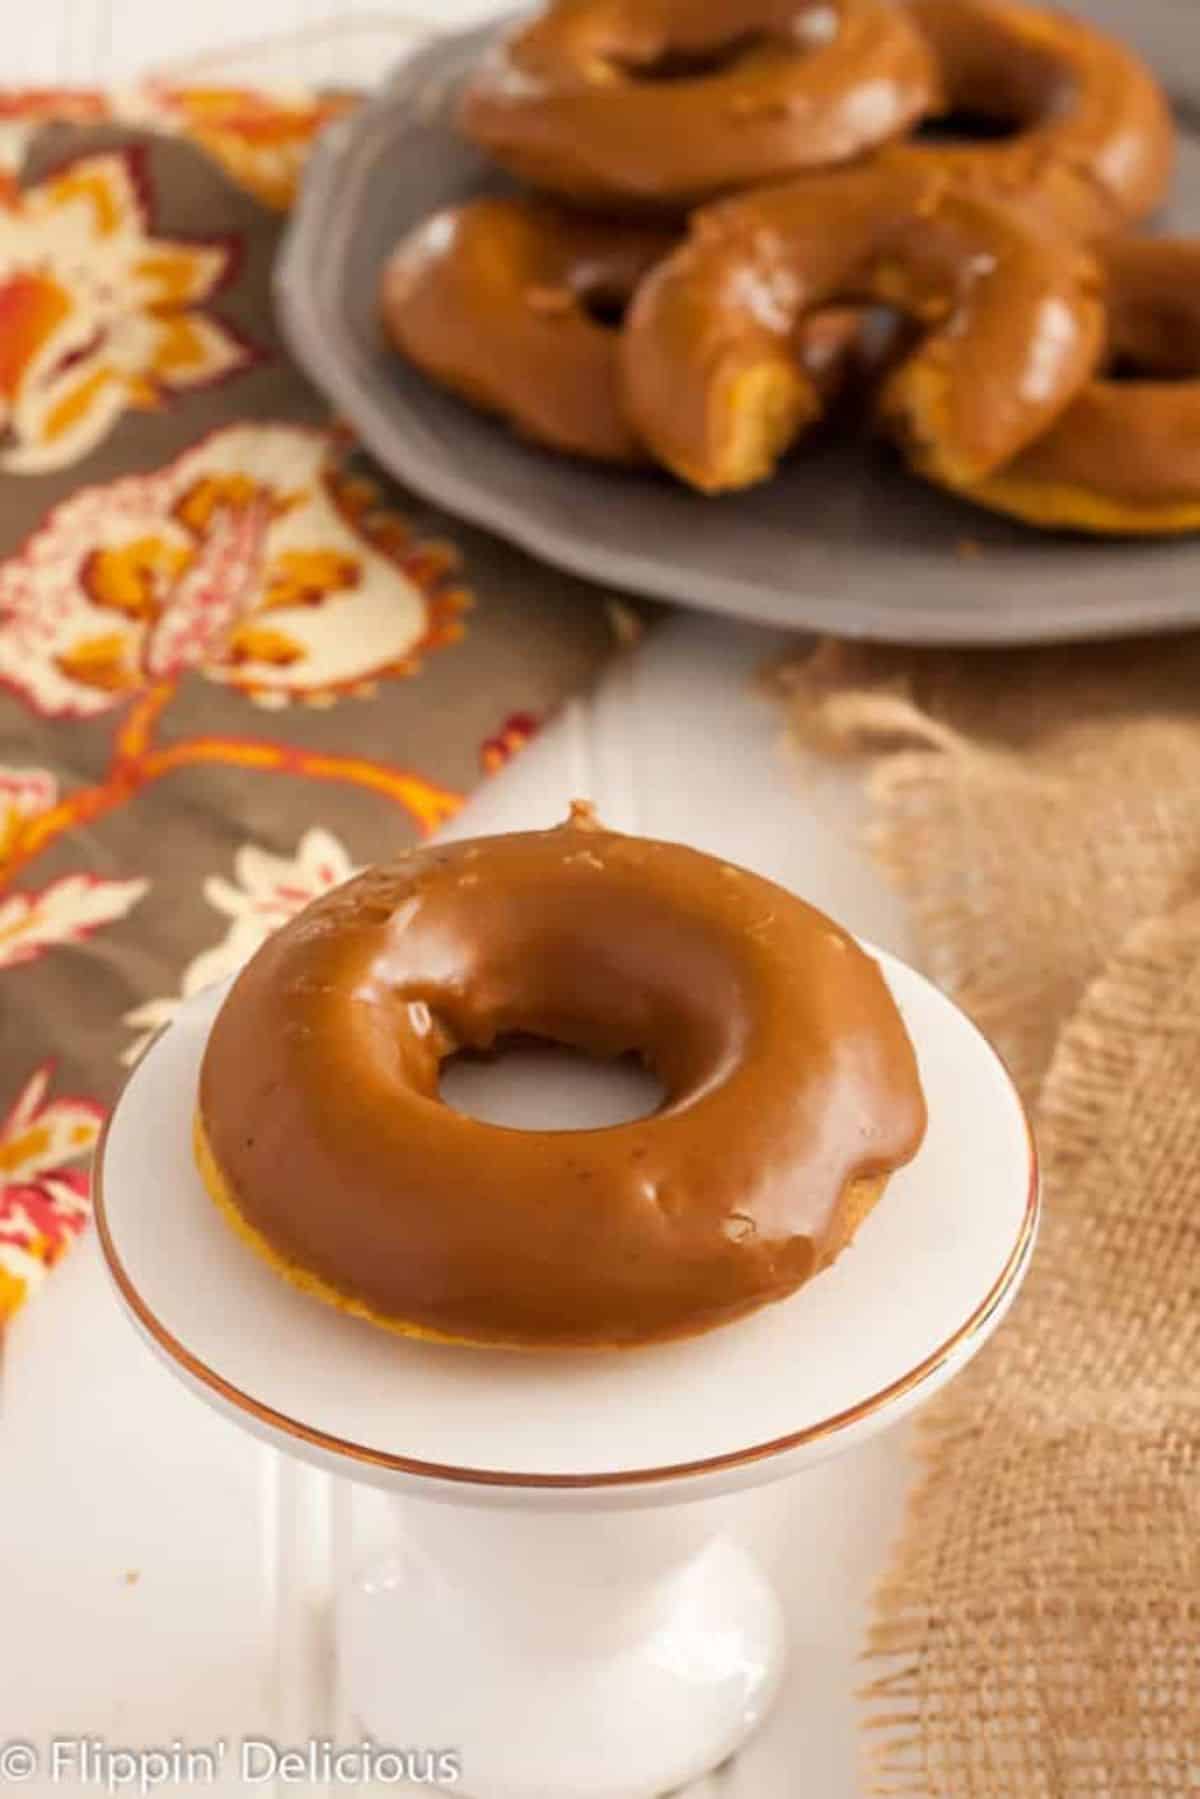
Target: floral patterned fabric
[236,661]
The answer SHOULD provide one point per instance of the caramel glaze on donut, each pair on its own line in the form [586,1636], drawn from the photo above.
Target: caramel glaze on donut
[667,102]
[514,303]
[1013,322]
[792,1092]
[1124,459]
[1078,103]
[497,300]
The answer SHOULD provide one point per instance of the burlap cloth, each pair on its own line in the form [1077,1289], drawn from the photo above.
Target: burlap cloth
[1038,1633]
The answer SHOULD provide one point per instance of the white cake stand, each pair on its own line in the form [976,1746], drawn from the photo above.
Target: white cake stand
[564,1609]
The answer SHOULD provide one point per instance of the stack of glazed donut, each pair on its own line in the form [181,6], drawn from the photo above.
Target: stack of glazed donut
[721,198]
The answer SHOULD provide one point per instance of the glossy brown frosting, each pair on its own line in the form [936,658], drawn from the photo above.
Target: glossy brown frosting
[1081,105]
[667,102]
[495,300]
[1124,459]
[492,299]
[791,1091]
[1012,321]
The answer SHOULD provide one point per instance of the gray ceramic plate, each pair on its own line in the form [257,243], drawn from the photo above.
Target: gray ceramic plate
[839,541]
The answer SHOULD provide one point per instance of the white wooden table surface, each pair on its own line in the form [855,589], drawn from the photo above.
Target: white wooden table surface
[88,41]
[162,1577]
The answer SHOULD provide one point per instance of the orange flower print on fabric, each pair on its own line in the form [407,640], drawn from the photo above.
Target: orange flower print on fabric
[254,559]
[69,909]
[23,110]
[505,743]
[98,315]
[261,138]
[44,1200]
[265,892]
[24,793]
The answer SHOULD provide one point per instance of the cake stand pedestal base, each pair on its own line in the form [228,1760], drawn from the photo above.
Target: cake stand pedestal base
[563,1656]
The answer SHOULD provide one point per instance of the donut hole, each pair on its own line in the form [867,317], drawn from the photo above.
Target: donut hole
[605,306]
[691,62]
[530,1083]
[1127,370]
[997,88]
[967,125]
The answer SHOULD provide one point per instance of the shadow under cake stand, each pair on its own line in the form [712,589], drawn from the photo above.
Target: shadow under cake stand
[564,1608]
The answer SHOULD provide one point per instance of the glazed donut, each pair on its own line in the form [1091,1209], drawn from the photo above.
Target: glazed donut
[1074,102]
[513,304]
[792,1092]
[667,102]
[1013,322]
[505,301]
[1124,459]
